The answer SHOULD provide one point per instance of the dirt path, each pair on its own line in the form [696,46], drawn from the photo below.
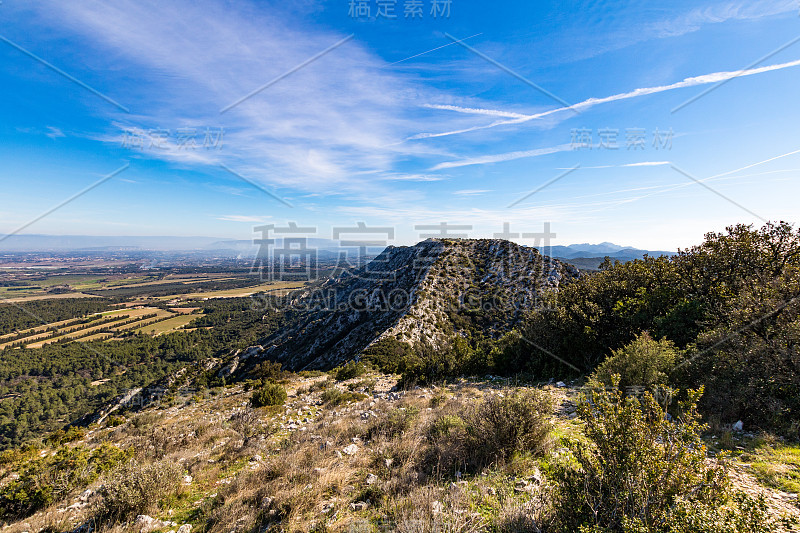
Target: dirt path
[779,502]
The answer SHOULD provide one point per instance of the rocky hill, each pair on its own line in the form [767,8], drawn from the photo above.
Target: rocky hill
[418,294]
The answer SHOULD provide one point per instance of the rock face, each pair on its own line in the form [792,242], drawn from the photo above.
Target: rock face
[417,294]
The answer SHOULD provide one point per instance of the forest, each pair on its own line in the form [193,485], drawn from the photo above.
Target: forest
[44,389]
[729,306]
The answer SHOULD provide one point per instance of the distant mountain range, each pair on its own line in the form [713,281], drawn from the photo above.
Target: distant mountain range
[590,256]
[585,256]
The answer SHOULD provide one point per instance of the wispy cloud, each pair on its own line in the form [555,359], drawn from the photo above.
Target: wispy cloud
[497,158]
[477,111]
[625,165]
[705,79]
[412,177]
[319,129]
[647,164]
[471,192]
[54,132]
[715,14]
[243,218]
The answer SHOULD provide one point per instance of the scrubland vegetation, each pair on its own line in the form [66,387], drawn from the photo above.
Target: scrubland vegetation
[659,395]
[476,456]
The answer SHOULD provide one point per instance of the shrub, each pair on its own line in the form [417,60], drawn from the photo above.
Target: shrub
[334,397]
[389,355]
[741,514]
[269,370]
[491,432]
[394,424]
[449,444]
[644,362]
[444,426]
[114,421]
[46,480]
[246,423]
[139,489]
[517,422]
[320,385]
[367,385]
[268,394]
[63,436]
[640,471]
[351,370]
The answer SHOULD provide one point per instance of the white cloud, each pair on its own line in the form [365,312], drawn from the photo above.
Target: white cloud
[647,164]
[243,218]
[413,177]
[715,14]
[497,158]
[54,132]
[317,130]
[471,192]
[705,79]
[476,111]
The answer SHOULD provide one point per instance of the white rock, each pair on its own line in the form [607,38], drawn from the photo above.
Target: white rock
[350,450]
[359,506]
[561,384]
[371,478]
[185,528]
[738,426]
[146,523]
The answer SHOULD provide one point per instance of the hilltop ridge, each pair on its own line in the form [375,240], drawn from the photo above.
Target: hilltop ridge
[419,294]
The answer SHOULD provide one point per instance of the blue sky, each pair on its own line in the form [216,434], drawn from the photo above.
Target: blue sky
[399,125]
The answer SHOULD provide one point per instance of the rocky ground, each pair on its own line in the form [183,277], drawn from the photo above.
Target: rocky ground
[313,463]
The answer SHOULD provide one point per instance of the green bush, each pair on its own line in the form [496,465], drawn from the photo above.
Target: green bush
[644,362]
[350,370]
[50,479]
[114,421]
[268,394]
[63,436]
[139,489]
[389,355]
[639,471]
[270,370]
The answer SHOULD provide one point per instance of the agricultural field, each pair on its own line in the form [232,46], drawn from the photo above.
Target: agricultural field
[277,288]
[101,326]
[166,326]
[21,285]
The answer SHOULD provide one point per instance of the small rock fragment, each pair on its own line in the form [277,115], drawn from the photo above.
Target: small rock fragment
[352,449]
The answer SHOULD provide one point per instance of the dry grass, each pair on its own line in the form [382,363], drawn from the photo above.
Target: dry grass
[292,468]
